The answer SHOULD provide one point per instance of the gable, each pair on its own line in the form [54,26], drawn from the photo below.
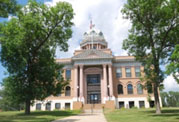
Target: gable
[92,54]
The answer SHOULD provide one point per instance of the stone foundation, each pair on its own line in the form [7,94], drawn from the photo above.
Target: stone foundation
[77,105]
[110,104]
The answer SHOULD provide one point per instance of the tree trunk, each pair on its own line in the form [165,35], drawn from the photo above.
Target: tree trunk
[27,107]
[157,102]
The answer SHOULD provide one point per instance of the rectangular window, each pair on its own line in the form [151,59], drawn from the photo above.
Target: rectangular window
[59,94]
[121,105]
[131,104]
[141,104]
[67,105]
[93,79]
[119,73]
[38,106]
[68,74]
[137,71]
[57,105]
[128,72]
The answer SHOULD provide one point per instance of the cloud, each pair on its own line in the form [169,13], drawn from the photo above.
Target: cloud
[107,16]
[170,84]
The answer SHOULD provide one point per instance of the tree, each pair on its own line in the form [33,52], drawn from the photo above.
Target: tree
[7,102]
[170,99]
[28,51]
[8,7]
[152,37]
[173,67]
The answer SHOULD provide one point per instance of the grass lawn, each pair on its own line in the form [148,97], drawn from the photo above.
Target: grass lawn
[142,115]
[36,116]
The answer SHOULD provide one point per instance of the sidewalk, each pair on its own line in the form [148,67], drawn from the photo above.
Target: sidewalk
[85,117]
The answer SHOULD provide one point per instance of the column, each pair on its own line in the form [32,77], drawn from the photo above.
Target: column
[76,81]
[110,80]
[105,80]
[81,81]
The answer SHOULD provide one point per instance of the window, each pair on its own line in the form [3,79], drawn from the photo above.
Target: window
[67,91]
[93,79]
[121,104]
[68,74]
[94,47]
[57,105]
[38,106]
[120,89]
[137,71]
[131,104]
[139,88]
[128,72]
[152,104]
[149,88]
[141,104]
[130,89]
[48,106]
[67,105]
[118,73]
[59,94]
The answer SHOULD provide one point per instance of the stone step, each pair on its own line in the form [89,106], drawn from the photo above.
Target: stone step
[93,111]
[93,106]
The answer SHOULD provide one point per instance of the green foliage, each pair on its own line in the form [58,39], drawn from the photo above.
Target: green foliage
[28,50]
[8,104]
[153,36]
[170,99]
[173,67]
[8,7]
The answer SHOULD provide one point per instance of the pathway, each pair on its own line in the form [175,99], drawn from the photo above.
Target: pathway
[85,117]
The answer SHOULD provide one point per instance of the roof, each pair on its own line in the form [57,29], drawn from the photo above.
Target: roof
[92,54]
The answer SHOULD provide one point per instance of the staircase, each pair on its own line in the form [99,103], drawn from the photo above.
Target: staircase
[93,108]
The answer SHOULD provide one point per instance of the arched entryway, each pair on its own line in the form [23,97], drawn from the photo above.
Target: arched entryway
[93,85]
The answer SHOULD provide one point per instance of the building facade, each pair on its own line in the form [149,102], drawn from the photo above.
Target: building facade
[97,77]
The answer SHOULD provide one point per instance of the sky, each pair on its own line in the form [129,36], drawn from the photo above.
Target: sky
[107,17]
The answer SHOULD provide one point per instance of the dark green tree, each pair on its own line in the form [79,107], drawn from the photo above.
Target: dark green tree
[28,51]
[153,36]
[173,67]
[8,7]
[170,99]
[7,102]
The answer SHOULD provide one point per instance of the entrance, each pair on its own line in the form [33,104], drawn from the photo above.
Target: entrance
[93,89]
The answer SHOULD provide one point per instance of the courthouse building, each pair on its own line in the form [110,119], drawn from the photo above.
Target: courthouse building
[97,77]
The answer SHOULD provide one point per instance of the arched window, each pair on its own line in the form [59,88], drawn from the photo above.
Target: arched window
[67,91]
[139,88]
[48,106]
[149,88]
[130,89]
[120,89]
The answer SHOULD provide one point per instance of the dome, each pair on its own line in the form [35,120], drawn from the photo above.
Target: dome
[94,34]
[93,37]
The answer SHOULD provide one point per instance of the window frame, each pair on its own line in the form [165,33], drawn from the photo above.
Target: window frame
[67,92]
[37,107]
[66,74]
[57,107]
[139,91]
[119,74]
[130,91]
[128,72]
[139,73]
[119,90]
